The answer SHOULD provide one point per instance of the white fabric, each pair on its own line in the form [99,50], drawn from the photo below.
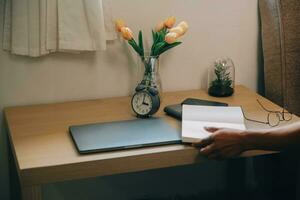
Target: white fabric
[51,25]
[7,26]
[43,27]
[33,28]
[39,27]
[19,27]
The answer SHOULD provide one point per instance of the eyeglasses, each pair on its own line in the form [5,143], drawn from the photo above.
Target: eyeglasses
[273,117]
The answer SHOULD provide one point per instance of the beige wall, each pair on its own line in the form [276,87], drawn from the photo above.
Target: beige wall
[217,28]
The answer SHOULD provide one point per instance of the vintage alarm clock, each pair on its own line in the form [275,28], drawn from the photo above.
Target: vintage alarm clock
[145,101]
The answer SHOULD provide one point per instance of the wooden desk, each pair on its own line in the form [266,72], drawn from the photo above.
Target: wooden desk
[44,152]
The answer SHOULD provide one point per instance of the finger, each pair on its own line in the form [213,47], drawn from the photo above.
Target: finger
[209,149]
[204,142]
[211,129]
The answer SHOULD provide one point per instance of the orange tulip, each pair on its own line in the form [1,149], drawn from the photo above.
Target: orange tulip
[120,23]
[184,25]
[177,30]
[169,23]
[160,26]
[126,33]
[171,37]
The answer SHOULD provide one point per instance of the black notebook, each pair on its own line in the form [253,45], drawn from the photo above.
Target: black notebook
[176,109]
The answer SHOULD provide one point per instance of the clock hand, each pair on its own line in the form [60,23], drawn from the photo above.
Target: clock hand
[144,98]
[144,103]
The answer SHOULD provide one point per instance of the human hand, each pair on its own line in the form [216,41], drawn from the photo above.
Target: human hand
[222,143]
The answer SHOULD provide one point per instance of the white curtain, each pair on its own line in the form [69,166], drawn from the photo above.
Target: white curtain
[39,27]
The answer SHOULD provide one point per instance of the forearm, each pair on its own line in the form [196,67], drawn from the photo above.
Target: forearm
[273,139]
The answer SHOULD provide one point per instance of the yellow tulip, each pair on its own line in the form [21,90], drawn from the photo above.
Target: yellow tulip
[178,30]
[126,33]
[171,37]
[120,23]
[160,26]
[184,25]
[169,23]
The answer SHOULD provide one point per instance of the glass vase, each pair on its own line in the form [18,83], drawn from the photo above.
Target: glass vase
[149,69]
[221,78]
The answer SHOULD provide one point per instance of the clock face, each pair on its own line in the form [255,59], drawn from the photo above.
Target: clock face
[142,103]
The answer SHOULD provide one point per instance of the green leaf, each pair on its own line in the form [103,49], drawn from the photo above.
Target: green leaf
[168,46]
[141,43]
[161,37]
[155,40]
[158,47]
[153,36]
[135,46]
[157,37]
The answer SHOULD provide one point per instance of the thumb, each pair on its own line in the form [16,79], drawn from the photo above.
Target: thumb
[211,129]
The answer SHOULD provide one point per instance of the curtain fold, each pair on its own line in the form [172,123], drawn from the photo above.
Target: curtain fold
[280,20]
[39,27]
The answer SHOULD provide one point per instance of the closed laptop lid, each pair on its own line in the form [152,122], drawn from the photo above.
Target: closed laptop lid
[123,135]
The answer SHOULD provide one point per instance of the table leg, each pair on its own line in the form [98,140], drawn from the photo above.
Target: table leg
[32,192]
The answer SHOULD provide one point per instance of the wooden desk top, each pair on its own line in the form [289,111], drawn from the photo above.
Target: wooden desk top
[45,152]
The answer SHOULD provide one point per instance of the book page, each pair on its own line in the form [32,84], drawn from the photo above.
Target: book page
[195,118]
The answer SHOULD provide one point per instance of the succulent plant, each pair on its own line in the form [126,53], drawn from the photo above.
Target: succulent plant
[222,85]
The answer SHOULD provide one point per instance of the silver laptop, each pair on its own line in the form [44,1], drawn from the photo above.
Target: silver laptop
[123,135]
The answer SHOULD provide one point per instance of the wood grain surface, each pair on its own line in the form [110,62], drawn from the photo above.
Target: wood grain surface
[45,153]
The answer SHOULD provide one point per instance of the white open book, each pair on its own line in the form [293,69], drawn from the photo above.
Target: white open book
[195,118]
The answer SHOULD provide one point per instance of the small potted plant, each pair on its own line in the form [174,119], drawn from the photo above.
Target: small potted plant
[221,78]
